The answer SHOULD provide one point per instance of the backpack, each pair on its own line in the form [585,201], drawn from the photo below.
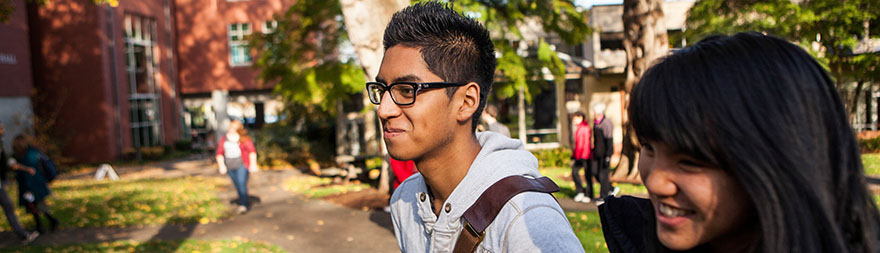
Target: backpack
[50,170]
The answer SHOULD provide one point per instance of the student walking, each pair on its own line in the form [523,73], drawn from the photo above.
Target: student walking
[7,163]
[32,186]
[603,148]
[581,156]
[237,156]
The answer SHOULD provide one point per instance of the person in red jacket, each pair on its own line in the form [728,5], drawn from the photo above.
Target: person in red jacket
[581,156]
[237,155]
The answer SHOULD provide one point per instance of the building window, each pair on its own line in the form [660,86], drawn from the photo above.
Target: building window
[270,26]
[239,53]
[611,41]
[142,57]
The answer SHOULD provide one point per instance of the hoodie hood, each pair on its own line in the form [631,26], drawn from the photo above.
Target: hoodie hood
[499,157]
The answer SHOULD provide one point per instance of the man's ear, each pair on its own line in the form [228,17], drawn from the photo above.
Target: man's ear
[470,101]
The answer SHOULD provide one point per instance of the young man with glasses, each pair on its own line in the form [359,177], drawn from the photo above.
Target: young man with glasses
[431,89]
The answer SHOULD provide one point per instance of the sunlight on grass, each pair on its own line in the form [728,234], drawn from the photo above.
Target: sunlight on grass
[588,230]
[157,246]
[89,203]
[317,187]
[562,177]
[872,164]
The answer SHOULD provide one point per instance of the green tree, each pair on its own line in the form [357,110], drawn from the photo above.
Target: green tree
[523,74]
[831,30]
[302,56]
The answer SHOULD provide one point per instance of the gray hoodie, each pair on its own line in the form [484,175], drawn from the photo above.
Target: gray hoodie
[529,222]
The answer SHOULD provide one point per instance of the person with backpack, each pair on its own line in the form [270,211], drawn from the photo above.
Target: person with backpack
[8,163]
[32,187]
[475,191]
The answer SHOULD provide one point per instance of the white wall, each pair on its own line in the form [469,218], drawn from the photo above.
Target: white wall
[16,114]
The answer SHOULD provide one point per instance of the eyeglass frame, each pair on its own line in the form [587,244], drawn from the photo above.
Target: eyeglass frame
[416,85]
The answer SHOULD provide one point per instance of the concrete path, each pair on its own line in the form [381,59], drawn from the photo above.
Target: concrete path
[282,218]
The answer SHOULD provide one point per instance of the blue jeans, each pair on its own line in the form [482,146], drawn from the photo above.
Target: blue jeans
[239,179]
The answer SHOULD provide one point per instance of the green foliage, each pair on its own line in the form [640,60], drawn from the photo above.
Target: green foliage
[837,27]
[871,145]
[310,137]
[85,203]
[188,245]
[302,56]
[558,157]
[503,19]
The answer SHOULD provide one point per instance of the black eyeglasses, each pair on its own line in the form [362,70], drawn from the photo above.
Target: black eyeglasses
[402,93]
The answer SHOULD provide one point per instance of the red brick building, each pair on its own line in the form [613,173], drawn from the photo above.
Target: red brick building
[217,77]
[16,83]
[108,74]
[117,79]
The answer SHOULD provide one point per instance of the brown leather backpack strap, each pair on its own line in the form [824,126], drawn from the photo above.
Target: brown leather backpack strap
[478,217]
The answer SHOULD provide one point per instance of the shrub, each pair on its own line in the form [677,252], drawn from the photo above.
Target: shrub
[183,145]
[870,145]
[282,145]
[558,157]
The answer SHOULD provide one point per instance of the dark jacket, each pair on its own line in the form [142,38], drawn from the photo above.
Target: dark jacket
[629,225]
[4,165]
[35,183]
[603,141]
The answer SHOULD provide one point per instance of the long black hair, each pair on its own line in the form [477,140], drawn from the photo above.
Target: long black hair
[764,110]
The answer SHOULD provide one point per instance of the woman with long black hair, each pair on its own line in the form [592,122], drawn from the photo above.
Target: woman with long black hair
[745,147]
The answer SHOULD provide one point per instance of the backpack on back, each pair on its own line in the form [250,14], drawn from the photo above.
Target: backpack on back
[50,170]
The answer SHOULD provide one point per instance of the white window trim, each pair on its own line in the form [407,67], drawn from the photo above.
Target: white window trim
[241,34]
[265,29]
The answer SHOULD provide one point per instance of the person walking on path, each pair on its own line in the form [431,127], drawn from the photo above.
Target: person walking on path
[581,158]
[431,88]
[237,156]
[32,186]
[8,163]
[603,148]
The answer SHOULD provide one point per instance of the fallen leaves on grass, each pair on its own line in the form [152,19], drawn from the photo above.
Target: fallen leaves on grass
[587,228]
[316,187]
[90,203]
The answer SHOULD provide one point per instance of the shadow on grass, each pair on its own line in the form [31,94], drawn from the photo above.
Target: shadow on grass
[171,232]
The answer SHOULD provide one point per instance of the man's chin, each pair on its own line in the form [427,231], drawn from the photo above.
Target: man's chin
[399,154]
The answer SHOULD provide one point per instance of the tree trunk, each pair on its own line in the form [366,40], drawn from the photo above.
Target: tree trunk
[645,40]
[365,21]
[521,114]
[854,103]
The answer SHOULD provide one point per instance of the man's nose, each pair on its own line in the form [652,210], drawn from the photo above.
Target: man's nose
[387,107]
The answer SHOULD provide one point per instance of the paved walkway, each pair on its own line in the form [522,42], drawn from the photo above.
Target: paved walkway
[282,218]
[293,222]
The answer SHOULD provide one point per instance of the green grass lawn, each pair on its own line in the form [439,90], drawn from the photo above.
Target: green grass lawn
[562,177]
[156,246]
[319,187]
[871,163]
[90,203]
[588,230]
